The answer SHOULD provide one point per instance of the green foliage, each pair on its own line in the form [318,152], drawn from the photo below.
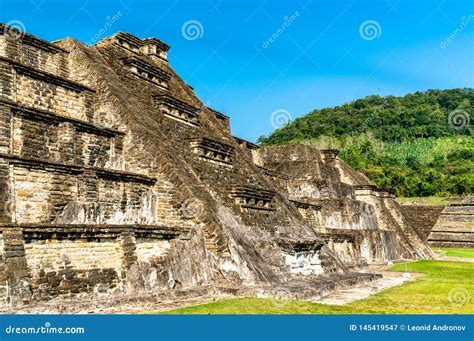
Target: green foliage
[422,167]
[405,143]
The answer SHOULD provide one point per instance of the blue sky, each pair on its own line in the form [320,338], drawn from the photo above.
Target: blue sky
[324,53]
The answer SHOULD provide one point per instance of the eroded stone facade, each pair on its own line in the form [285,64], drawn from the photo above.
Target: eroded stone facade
[115,178]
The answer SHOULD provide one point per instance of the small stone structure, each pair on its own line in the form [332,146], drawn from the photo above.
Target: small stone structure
[116,180]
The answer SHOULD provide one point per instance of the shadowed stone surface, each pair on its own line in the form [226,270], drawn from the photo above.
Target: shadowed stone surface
[424,217]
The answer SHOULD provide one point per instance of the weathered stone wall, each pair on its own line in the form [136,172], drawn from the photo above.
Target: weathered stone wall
[454,228]
[62,166]
[4,295]
[64,267]
[34,53]
[149,250]
[50,138]
[369,218]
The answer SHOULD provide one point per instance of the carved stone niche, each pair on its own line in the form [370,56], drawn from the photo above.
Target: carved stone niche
[386,192]
[246,144]
[300,205]
[329,154]
[213,150]
[147,71]
[178,110]
[128,41]
[302,256]
[253,198]
[224,119]
[306,208]
[364,190]
[305,205]
[155,47]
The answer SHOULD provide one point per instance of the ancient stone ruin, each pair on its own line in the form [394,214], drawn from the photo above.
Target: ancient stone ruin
[454,228]
[444,226]
[116,180]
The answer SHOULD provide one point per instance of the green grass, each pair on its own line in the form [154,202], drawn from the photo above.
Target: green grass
[426,295]
[461,253]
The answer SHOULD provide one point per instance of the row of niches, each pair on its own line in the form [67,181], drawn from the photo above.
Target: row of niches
[149,46]
[213,150]
[178,110]
[47,193]
[253,198]
[32,51]
[43,136]
[368,189]
[148,72]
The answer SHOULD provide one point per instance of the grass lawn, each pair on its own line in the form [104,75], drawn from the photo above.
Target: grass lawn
[426,295]
[461,253]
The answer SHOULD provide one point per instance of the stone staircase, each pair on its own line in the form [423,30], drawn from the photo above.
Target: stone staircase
[454,228]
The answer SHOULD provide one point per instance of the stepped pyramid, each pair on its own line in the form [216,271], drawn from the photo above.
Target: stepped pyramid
[115,179]
[455,227]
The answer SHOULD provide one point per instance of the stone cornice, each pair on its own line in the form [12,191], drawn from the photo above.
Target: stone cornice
[50,117]
[46,76]
[30,40]
[102,173]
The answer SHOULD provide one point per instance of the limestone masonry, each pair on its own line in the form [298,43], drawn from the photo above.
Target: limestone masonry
[116,180]
[454,228]
[444,226]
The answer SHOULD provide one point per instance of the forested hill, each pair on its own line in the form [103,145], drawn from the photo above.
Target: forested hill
[421,144]
[422,114]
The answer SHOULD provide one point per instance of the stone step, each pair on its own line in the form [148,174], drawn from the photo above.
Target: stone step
[457,217]
[443,225]
[459,209]
[459,236]
[454,229]
[452,244]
